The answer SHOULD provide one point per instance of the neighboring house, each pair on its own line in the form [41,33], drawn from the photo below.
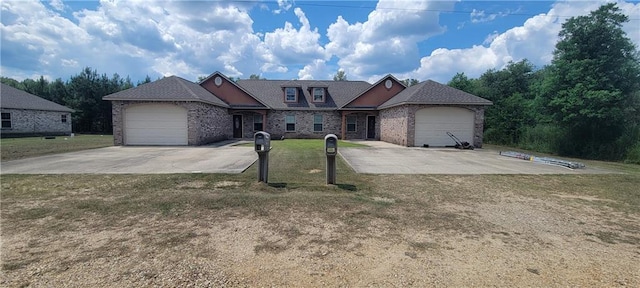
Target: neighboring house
[175,111]
[25,114]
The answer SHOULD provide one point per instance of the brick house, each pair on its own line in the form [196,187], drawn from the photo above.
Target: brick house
[175,111]
[25,114]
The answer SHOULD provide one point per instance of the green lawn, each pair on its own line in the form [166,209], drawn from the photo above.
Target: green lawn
[18,148]
[304,159]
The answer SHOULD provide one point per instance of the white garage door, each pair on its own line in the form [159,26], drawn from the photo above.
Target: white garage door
[432,125]
[155,124]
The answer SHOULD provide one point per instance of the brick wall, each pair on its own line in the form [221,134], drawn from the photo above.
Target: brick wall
[206,123]
[332,124]
[211,123]
[361,126]
[394,125]
[37,122]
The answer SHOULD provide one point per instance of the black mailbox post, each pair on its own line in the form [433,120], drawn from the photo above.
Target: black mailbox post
[331,150]
[262,144]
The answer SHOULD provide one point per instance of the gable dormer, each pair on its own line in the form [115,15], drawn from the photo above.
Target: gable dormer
[291,92]
[318,92]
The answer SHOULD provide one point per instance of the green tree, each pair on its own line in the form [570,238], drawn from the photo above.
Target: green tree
[592,89]
[58,91]
[148,80]
[12,82]
[462,82]
[126,83]
[410,82]
[340,76]
[509,90]
[83,97]
[256,77]
[38,87]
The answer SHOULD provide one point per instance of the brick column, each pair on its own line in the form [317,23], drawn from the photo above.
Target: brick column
[344,127]
[264,120]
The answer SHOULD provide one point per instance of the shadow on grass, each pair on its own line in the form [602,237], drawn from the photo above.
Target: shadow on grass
[348,187]
[278,185]
[282,185]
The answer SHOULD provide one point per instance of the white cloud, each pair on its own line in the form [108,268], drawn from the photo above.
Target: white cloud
[57,4]
[387,41]
[132,37]
[316,70]
[290,46]
[283,5]
[535,40]
[479,16]
[34,37]
[490,38]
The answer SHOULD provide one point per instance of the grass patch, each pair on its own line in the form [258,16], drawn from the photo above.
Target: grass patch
[19,148]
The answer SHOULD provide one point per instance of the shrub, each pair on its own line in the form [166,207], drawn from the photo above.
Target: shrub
[633,154]
[541,138]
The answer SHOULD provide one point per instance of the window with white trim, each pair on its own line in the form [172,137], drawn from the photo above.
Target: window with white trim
[63,118]
[6,120]
[290,123]
[257,123]
[290,94]
[351,123]
[317,123]
[318,94]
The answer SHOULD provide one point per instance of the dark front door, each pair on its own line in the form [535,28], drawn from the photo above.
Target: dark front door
[237,126]
[371,127]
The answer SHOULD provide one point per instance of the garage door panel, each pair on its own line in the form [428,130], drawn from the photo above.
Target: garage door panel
[432,125]
[156,124]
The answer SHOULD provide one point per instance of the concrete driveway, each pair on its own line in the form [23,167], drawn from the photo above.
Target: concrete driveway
[138,160]
[385,158]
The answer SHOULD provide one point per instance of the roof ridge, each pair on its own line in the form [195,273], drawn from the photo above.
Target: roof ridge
[179,80]
[418,87]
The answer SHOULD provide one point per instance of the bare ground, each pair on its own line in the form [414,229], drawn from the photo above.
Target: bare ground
[431,231]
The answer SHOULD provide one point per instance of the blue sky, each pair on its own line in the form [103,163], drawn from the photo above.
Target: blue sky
[283,39]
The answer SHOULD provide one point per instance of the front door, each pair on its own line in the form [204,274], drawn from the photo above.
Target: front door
[237,126]
[371,127]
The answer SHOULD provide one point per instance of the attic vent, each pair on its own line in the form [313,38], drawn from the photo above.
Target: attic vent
[388,84]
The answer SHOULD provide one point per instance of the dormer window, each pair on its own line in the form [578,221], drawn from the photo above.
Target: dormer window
[318,94]
[290,94]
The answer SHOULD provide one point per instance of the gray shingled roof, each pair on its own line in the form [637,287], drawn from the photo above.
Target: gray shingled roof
[431,92]
[17,99]
[271,92]
[170,88]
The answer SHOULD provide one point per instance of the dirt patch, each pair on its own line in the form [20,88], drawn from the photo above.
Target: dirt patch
[406,231]
[313,171]
[583,197]
[226,184]
[383,199]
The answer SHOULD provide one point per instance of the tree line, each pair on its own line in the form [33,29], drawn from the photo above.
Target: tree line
[83,93]
[586,103]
